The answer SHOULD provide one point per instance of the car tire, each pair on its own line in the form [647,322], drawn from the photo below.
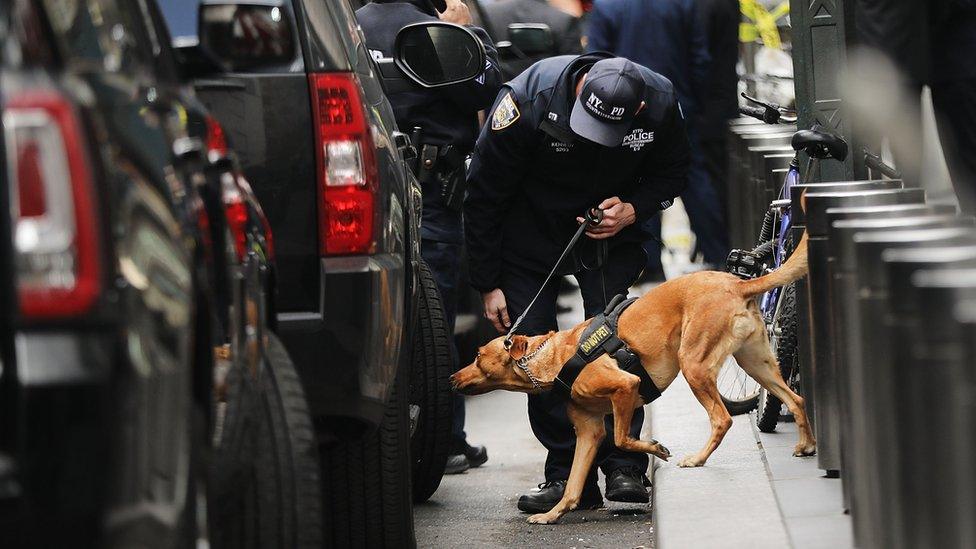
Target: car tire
[430,390]
[367,500]
[265,475]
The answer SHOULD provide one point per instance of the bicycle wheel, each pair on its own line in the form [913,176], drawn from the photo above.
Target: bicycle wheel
[740,393]
[782,337]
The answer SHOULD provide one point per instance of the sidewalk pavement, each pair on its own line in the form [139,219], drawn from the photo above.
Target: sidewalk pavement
[752,492]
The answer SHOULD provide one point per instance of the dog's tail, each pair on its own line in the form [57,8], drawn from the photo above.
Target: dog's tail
[794,269]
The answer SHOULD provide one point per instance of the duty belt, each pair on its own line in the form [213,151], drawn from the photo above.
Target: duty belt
[601,337]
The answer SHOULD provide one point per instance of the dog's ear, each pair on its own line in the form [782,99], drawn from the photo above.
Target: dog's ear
[520,344]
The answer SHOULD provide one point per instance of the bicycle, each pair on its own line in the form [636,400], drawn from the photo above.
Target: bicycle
[778,307]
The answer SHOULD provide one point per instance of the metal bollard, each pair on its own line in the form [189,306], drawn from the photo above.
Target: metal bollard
[847,347]
[934,378]
[803,350]
[827,410]
[879,321]
[965,314]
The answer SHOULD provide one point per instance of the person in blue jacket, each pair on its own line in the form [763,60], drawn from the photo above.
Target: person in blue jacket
[569,134]
[668,37]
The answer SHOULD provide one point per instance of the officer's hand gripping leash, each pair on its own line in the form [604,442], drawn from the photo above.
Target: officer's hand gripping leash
[593,218]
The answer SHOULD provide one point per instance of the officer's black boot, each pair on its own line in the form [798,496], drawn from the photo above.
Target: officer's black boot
[627,484]
[477,455]
[544,498]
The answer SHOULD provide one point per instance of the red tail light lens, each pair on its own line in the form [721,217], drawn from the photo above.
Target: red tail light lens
[216,139]
[235,209]
[346,166]
[53,208]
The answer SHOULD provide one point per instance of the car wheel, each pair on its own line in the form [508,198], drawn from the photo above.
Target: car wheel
[430,390]
[366,483]
[265,475]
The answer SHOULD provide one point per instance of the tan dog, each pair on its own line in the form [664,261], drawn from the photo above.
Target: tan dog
[692,324]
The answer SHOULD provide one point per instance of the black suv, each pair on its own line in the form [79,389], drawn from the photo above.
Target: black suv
[140,371]
[357,309]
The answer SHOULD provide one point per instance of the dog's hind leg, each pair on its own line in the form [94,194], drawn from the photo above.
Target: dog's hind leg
[702,382]
[756,358]
[625,399]
[700,359]
[589,435]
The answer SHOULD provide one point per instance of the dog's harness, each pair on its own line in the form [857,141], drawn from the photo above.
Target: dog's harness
[601,337]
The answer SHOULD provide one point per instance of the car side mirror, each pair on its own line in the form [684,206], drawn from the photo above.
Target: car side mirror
[434,54]
[246,35]
[532,38]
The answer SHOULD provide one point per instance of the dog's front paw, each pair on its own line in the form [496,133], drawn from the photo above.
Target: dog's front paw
[543,518]
[691,461]
[802,450]
[660,450]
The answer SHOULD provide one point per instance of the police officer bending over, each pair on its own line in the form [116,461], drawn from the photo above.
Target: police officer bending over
[448,118]
[568,134]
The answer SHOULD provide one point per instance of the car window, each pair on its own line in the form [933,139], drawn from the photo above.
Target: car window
[110,34]
[181,18]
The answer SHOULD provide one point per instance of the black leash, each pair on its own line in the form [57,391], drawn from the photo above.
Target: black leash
[593,218]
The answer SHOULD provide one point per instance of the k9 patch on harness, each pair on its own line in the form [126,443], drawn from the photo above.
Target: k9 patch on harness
[506,113]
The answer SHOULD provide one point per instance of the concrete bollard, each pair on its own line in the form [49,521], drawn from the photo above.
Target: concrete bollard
[965,313]
[827,408]
[803,351]
[881,316]
[934,380]
[850,306]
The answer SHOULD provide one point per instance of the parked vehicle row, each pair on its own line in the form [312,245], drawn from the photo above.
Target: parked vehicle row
[215,325]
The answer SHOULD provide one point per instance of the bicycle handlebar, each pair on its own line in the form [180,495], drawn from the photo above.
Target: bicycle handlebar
[767,115]
[875,162]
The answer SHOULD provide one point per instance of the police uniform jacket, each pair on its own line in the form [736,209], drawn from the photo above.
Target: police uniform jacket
[530,176]
[448,115]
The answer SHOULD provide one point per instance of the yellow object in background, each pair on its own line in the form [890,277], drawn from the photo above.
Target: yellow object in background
[761,22]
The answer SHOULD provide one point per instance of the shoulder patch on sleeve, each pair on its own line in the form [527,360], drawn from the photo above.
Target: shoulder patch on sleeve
[506,113]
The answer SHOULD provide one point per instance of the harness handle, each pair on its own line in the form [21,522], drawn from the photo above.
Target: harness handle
[594,216]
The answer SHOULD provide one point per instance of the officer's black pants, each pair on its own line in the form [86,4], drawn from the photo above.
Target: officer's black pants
[547,411]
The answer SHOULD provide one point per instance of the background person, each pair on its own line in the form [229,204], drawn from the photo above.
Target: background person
[720,101]
[667,36]
[568,134]
[449,118]
[567,30]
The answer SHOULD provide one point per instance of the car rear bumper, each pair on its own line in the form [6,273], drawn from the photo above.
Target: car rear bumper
[58,467]
[347,354]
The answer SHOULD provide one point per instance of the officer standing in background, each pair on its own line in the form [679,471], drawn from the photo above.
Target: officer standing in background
[449,120]
[667,36]
[568,134]
[567,30]
[720,102]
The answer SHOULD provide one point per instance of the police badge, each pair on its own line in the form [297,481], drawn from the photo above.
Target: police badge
[505,113]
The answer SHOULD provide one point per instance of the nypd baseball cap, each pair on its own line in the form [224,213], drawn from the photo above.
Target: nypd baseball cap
[611,96]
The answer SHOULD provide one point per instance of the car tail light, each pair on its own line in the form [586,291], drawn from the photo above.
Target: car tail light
[53,208]
[216,140]
[346,165]
[235,209]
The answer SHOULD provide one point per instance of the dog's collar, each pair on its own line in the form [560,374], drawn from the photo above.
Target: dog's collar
[523,364]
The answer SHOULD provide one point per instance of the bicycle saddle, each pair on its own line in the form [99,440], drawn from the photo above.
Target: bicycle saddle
[819,143]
